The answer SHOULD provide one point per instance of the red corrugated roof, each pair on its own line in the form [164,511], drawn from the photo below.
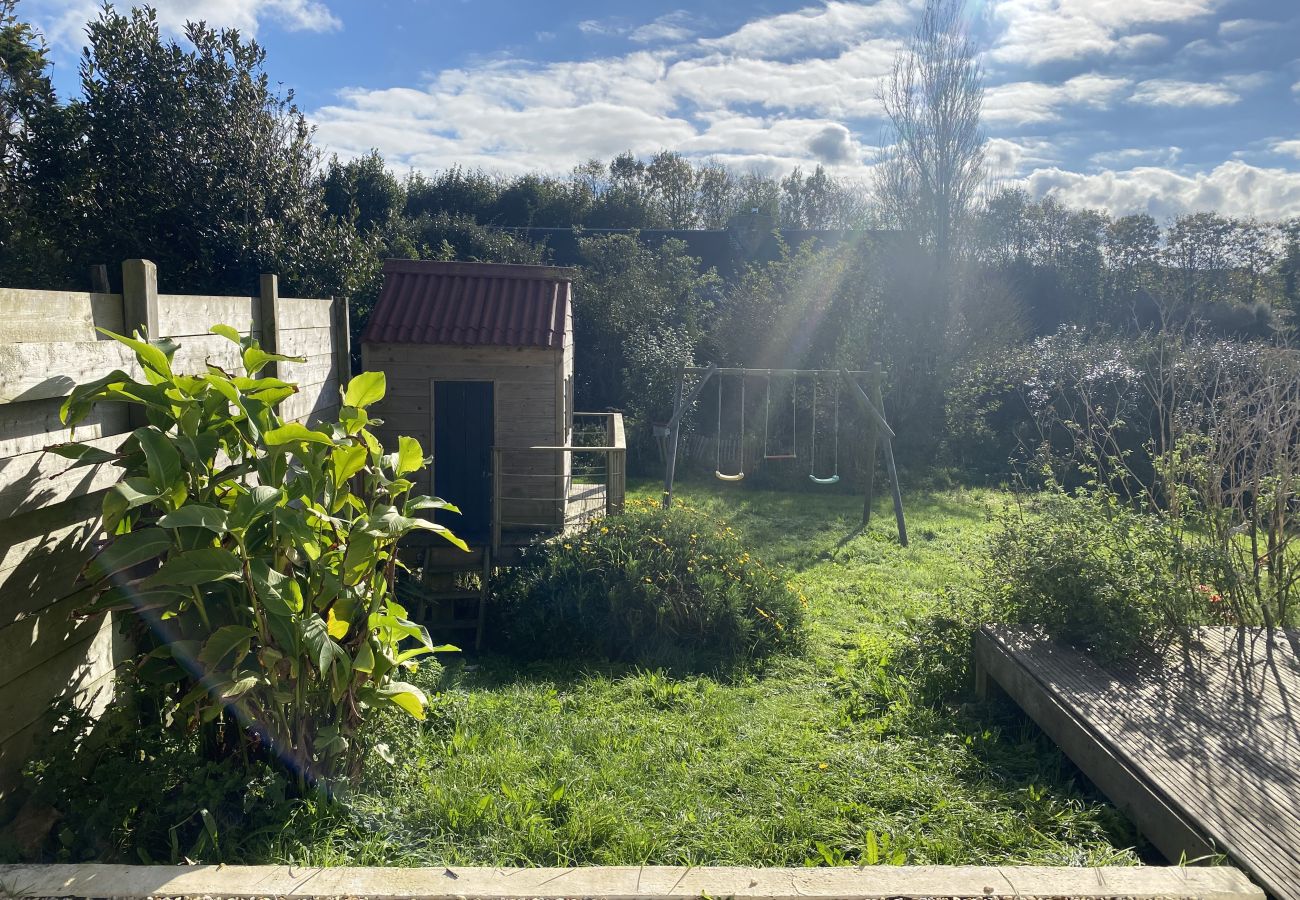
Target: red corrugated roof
[470,304]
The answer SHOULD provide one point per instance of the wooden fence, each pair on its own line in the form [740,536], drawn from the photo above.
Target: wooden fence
[49,513]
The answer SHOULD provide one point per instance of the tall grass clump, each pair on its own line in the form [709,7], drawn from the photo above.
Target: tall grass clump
[667,588]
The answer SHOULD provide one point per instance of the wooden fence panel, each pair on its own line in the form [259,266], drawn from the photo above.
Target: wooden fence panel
[47,316]
[182,316]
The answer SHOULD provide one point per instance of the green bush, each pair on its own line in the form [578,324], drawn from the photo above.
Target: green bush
[664,588]
[1088,571]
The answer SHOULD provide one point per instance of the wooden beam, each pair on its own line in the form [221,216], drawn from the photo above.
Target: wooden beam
[873,444]
[140,297]
[1161,822]
[268,295]
[874,410]
[342,340]
[140,312]
[675,424]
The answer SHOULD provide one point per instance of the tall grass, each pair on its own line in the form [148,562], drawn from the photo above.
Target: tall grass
[833,755]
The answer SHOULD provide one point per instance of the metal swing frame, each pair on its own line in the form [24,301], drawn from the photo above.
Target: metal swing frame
[880,434]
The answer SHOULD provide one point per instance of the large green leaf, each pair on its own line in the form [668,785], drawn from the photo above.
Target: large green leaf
[201,449]
[418,503]
[194,567]
[410,455]
[295,432]
[155,356]
[392,524]
[127,551]
[161,456]
[251,506]
[79,403]
[322,649]
[359,557]
[227,332]
[196,515]
[279,594]
[82,454]
[365,389]
[406,697]
[131,597]
[236,639]
[255,359]
[347,461]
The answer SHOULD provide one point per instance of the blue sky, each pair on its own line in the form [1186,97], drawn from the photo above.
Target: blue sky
[1163,106]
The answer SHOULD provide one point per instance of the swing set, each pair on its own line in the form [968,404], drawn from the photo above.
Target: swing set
[868,399]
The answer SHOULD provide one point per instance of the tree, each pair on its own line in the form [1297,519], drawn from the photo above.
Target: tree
[1132,252]
[191,159]
[35,140]
[363,191]
[630,299]
[457,191]
[933,100]
[717,195]
[672,183]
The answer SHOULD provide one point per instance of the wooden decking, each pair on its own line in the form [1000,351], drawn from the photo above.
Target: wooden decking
[1199,746]
[586,503]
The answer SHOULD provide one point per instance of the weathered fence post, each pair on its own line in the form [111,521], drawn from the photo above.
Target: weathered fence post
[140,312]
[140,298]
[99,279]
[342,340]
[268,296]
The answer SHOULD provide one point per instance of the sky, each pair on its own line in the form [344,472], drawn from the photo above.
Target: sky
[1157,106]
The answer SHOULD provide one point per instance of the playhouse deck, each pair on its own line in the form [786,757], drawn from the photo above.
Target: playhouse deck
[1200,747]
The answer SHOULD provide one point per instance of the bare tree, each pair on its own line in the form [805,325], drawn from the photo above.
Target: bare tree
[933,100]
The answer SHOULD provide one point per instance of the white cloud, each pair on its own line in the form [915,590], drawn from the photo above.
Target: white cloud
[815,29]
[1042,31]
[1233,188]
[1129,157]
[845,86]
[1171,92]
[673,26]
[1289,148]
[64,21]
[1235,28]
[1032,102]
[1009,159]
[677,25]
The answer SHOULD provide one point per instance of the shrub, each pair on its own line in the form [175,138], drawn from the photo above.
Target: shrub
[1088,571]
[129,789]
[257,558]
[663,588]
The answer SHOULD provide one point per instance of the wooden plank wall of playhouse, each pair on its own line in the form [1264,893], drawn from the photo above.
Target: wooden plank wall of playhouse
[49,343]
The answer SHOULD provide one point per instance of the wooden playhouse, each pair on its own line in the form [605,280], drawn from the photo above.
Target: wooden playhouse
[479,363]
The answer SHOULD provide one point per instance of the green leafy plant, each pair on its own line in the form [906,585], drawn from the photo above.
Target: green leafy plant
[260,553]
[662,588]
[1088,570]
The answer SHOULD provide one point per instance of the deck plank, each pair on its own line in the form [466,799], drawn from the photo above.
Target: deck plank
[1210,730]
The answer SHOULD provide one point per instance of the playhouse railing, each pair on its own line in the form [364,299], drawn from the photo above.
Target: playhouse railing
[540,490]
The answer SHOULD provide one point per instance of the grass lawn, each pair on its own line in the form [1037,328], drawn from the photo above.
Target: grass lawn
[827,757]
